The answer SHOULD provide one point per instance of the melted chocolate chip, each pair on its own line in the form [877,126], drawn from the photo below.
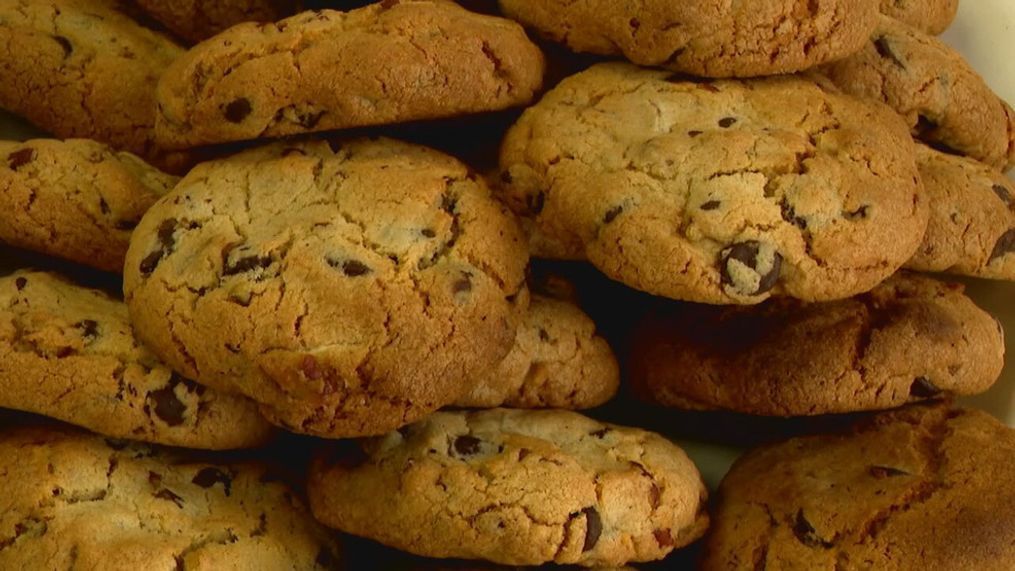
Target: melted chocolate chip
[543,335]
[858,214]
[727,122]
[654,495]
[246,264]
[885,50]
[711,205]
[310,368]
[428,233]
[922,388]
[466,445]
[354,268]
[663,537]
[805,532]
[238,110]
[168,406]
[612,214]
[169,495]
[746,253]
[208,477]
[601,433]
[65,44]
[463,284]
[88,327]
[20,283]
[789,215]
[20,158]
[310,120]
[695,133]
[882,472]
[593,528]
[1002,193]
[1005,245]
[167,241]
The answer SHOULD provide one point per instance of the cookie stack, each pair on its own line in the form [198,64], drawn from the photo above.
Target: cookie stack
[311,276]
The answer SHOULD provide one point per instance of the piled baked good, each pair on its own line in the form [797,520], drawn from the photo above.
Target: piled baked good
[346,331]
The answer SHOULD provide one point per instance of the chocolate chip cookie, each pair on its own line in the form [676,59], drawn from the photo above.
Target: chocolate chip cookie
[514,487]
[83,68]
[388,62]
[972,218]
[350,288]
[68,352]
[725,191]
[196,20]
[879,497]
[705,37]
[931,16]
[558,361]
[78,501]
[75,199]
[946,103]
[911,338]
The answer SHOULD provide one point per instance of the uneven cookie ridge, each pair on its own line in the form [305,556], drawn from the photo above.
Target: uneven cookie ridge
[350,289]
[558,361]
[705,37]
[196,20]
[515,487]
[911,338]
[78,501]
[972,218]
[76,199]
[875,497]
[944,100]
[68,352]
[718,191]
[930,16]
[388,62]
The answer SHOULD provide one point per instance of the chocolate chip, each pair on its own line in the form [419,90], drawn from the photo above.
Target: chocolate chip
[1005,245]
[789,215]
[103,206]
[654,495]
[922,388]
[208,477]
[882,472]
[1002,192]
[601,433]
[523,453]
[167,241]
[168,406]
[388,4]
[20,283]
[593,528]
[663,537]
[612,214]
[354,268]
[693,134]
[711,205]
[727,122]
[885,50]
[805,532]
[535,203]
[88,327]
[466,445]
[310,120]
[246,264]
[310,368]
[428,233]
[463,284]
[170,496]
[543,335]
[238,110]
[65,44]
[858,214]
[20,158]
[747,254]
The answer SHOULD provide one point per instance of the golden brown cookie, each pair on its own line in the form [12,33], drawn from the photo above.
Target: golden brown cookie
[196,20]
[931,16]
[919,488]
[911,338]
[389,62]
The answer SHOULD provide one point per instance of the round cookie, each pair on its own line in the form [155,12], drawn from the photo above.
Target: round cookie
[946,103]
[558,361]
[75,199]
[349,289]
[515,487]
[972,218]
[389,62]
[930,16]
[911,338]
[723,191]
[78,501]
[707,38]
[919,488]
[196,20]
[68,352]
[83,68]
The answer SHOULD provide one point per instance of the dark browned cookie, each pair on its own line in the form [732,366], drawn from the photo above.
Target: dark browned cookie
[196,20]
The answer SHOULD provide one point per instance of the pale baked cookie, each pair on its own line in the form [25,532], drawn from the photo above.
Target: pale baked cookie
[75,199]
[196,20]
[82,68]
[931,16]
[558,361]
[515,487]
[911,338]
[946,103]
[718,191]
[350,290]
[78,501]
[972,218]
[705,37]
[389,62]
[68,352]
[919,488]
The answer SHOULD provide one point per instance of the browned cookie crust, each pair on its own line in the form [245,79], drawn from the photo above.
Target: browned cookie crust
[75,199]
[972,218]
[919,488]
[725,191]
[911,338]
[196,20]
[931,16]
[515,487]
[388,62]
[77,501]
[68,352]
[946,103]
[82,68]
[710,38]
[350,289]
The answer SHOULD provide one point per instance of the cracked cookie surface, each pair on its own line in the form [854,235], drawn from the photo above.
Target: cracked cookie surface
[388,62]
[75,199]
[514,487]
[558,361]
[78,501]
[83,68]
[196,20]
[884,496]
[943,99]
[710,38]
[350,289]
[69,353]
[723,191]
[911,338]
[931,16]
[972,218]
